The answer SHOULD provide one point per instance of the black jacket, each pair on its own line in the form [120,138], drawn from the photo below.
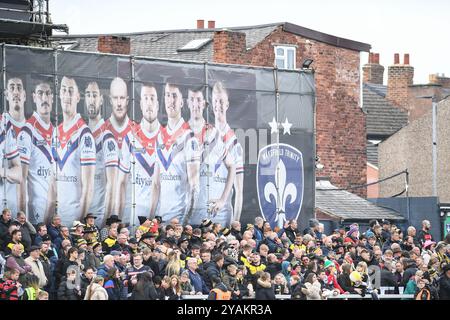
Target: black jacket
[236,234]
[213,275]
[423,236]
[296,292]
[4,226]
[444,288]
[387,278]
[264,291]
[345,283]
[290,233]
[65,293]
[148,292]
[273,269]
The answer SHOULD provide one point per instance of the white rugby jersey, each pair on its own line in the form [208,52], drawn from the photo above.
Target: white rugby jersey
[176,147]
[35,147]
[16,125]
[107,155]
[234,148]
[212,180]
[8,150]
[145,156]
[73,147]
[119,135]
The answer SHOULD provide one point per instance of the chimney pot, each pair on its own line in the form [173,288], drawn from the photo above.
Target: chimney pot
[406,59]
[200,24]
[211,24]
[396,58]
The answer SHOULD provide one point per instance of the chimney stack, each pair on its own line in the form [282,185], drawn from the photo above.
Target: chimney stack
[200,24]
[211,24]
[114,44]
[406,59]
[396,58]
[373,71]
[400,77]
[440,79]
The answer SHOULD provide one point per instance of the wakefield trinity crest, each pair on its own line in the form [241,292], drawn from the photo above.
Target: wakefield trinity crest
[280,183]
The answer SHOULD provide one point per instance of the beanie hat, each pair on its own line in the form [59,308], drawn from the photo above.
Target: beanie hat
[328,263]
[352,229]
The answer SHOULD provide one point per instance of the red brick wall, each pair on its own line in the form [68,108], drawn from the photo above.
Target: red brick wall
[400,77]
[341,124]
[113,44]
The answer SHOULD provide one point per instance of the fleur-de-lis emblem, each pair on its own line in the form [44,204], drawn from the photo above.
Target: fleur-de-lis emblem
[280,192]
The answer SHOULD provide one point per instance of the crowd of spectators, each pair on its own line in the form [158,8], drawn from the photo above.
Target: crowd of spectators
[168,261]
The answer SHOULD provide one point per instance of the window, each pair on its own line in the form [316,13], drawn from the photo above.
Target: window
[285,57]
[67,45]
[195,45]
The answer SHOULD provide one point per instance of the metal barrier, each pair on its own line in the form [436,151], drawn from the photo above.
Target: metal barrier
[340,297]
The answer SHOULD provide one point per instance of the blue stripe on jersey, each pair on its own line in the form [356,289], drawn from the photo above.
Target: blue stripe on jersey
[166,163]
[73,147]
[145,165]
[40,147]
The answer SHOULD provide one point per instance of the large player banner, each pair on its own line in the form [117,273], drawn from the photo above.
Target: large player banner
[105,134]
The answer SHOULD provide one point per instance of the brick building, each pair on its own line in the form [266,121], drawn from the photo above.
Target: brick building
[391,107]
[341,124]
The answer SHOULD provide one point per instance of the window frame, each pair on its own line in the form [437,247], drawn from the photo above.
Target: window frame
[286,48]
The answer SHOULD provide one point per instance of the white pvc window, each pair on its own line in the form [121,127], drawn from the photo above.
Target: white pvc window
[285,57]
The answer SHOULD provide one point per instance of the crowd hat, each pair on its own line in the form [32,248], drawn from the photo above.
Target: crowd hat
[89,215]
[206,223]
[80,242]
[112,219]
[352,230]
[77,224]
[226,231]
[34,248]
[142,219]
[328,263]
[95,244]
[182,239]
[428,243]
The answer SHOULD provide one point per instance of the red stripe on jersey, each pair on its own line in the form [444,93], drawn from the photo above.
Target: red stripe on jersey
[168,139]
[99,130]
[201,136]
[230,134]
[119,136]
[64,137]
[16,129]
[148,143]
[46,134]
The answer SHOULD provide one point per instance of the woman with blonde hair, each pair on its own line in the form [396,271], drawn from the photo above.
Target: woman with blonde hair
[95,290]
[173,264]
[280,284]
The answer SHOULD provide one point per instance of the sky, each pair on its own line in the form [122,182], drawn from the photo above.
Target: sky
[417,27]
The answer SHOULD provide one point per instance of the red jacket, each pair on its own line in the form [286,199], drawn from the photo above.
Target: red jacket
[332,279]
[8,290]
